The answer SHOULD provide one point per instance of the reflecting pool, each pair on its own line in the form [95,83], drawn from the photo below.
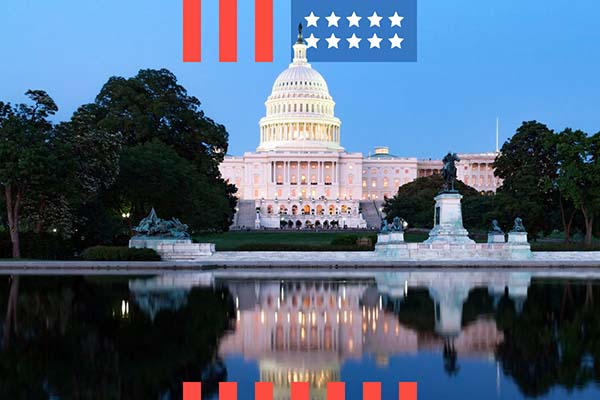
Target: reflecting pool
[463,334]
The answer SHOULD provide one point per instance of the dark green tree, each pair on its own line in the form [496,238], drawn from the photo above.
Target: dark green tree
[414,202]
[152,174]
[578,158]
[29,156]
[525,164]
[152,106]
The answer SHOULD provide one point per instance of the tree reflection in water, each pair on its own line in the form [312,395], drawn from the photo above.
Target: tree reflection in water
[119,338]
[82,338]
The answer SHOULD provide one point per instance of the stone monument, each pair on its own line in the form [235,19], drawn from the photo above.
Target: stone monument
[447,222]
[170,239]
[391,238]
[496,234]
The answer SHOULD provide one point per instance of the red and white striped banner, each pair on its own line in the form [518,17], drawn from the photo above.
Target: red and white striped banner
[192,30]
[300,391]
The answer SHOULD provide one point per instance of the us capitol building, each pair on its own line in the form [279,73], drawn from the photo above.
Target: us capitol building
[301,177]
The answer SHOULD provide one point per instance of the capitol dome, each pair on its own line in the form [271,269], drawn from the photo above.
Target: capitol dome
[300,110]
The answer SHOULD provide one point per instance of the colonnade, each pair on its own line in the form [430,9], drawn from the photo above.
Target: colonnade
[324,132]
[304,172]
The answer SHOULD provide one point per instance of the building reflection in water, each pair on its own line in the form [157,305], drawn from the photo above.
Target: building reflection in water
[304,330]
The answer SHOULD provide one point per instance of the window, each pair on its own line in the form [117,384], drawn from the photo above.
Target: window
[374,183]
[350,179]
[364,183]
[385,182]
[256,179]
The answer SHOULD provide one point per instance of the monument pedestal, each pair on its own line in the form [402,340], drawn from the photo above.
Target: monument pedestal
[496,237]
[173,249]
[448,225]
[517,237]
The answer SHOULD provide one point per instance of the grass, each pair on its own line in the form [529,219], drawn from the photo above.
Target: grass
[289,240]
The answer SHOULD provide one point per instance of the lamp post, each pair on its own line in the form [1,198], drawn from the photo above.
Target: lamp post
[126,216]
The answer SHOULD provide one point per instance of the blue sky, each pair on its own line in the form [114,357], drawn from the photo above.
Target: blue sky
[518,60]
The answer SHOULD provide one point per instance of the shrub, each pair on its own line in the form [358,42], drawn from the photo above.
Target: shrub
[115,253]
[41,246]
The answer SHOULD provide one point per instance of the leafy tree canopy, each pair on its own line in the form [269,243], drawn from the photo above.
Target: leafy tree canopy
[414,202]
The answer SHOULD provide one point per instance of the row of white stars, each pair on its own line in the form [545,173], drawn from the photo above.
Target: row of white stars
[353,42]
[353,20]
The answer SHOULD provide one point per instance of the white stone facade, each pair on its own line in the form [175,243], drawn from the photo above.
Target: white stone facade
[301,176]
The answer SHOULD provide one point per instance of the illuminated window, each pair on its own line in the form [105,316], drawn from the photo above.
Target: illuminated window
[364,184]
[350,179]
[374,183]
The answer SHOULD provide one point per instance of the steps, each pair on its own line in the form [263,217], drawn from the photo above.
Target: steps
[370,213]
[244,218]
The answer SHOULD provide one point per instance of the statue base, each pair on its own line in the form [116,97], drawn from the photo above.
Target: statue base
[172,248]
[517,237]
[448,225]
[496,237]
[149,242]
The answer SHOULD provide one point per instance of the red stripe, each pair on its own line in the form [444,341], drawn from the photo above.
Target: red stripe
[263,30]
[371,390]
[192,391]
[227,30]
[263,391]
[192,30]
[407,391]
[227,390]
[336,391]
[300,391]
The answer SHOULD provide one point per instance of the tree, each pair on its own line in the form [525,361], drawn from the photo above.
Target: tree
[153,107]
[525,164]
[152,174]
[414,202]
[26,155]
[579,174]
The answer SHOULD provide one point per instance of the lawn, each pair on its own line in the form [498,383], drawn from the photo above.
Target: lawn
[238,240]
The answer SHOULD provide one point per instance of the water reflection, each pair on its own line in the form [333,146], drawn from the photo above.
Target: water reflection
[118,337]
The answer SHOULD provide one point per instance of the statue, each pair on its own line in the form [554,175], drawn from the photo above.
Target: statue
[384,226]
[300,39]
[518,227]
[398,225]
[449,171]
[496,228]
[154,226]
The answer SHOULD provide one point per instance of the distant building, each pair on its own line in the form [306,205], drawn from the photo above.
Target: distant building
[300,176]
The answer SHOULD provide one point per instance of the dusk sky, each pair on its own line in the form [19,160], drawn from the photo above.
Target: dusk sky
[518,60]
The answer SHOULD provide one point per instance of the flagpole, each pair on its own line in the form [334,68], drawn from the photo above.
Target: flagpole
[497,130]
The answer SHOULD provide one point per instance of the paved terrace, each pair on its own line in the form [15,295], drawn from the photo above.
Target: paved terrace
[311,260]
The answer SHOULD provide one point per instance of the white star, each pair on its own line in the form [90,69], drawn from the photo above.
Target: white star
[353,19]
[353,41]
[311,41]
[396,41]
[374,40]
[332,20]
[312,19]
[395,19]
[374,19]
[332,41]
